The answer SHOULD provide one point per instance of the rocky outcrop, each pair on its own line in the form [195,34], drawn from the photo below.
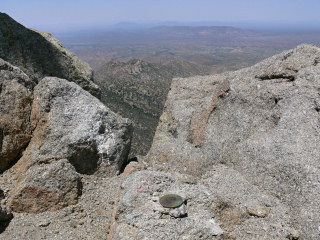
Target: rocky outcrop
[261,121]
[69,123]
[73,132]
[15,109]
[40,55]
[137,90]
[52,133]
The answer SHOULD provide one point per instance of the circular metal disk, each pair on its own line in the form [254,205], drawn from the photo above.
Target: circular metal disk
[171,201]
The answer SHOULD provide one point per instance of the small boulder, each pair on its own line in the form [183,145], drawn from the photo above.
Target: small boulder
[257,210]
[46,187]
[293,234]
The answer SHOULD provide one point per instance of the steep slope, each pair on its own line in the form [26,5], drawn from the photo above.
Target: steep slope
[261,121]
[40,54]
[137,90]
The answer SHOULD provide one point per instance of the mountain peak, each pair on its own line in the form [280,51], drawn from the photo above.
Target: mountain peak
[40,54]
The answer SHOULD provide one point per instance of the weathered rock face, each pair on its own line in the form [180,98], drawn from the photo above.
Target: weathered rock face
[262,121]
[240,148]
[46,187]
[69,123]
[55,131]
[70,132]
[140,215]
[40,54]
[222,205]
[15,108]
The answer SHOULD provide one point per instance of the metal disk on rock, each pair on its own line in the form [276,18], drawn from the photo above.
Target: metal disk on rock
[171,201]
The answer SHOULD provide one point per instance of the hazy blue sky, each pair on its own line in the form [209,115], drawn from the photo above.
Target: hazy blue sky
[34,13]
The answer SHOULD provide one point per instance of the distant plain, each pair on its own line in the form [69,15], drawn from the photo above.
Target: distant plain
[221,48]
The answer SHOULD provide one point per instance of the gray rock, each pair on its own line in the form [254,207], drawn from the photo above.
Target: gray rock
[293,234]
[233,195]
[69,123]
[40,54]
[15,109]
[140,217]
[216,208]
[179,212]
[46,187]
[262,121]
[90,216]
[257,210]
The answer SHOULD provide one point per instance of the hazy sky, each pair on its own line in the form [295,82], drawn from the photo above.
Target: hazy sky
[32,13]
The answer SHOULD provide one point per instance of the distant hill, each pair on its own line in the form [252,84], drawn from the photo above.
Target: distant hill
[137,90]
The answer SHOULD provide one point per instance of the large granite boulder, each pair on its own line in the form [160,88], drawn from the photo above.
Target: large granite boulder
[40,54]
[261,121]
[52,133]
[15,109]
[69,123]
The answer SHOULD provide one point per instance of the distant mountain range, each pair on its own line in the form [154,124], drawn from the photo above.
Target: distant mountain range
[260,26]
[217,46]
[163,34]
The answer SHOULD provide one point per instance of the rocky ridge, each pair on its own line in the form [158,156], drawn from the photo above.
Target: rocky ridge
[39,55]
